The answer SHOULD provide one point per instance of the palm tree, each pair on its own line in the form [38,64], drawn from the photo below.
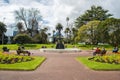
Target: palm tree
[59,27]
[20,26]
[74,32]
[67,31]
[67,19]
[53,37]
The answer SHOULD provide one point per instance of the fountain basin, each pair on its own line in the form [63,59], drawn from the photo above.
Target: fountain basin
[60,50]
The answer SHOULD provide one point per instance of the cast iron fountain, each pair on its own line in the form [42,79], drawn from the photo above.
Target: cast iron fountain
[59,44]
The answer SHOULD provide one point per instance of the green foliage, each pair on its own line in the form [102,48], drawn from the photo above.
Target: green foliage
[6,58]
[59,27]
[22,38]
[2,28]
[88,32]
[110,29]
[112,59]
[40,38]
[20,26]
[2,31]
[95,13]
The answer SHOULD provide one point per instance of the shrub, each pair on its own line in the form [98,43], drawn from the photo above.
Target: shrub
[22,38]
[112,59]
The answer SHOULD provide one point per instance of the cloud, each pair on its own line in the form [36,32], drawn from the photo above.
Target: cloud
[54,11]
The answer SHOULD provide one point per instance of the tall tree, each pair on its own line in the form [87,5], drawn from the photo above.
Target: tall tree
[88,32]
[95,13]
[67,20]
[74,33]
[2,28]
[53,37]
[2,31]
[67,32]
[111,27]
[30,18]
[22,15]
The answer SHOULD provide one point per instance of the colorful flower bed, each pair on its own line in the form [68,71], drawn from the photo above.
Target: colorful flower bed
[6,58]
[112,59]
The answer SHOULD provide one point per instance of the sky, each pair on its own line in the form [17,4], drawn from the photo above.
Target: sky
[55,11]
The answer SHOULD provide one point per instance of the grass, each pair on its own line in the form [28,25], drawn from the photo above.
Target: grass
[27,66]
[97,65]
[38,46]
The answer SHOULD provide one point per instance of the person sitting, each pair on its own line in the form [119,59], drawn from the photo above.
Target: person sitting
[97,51]
[115,50]
[103,52]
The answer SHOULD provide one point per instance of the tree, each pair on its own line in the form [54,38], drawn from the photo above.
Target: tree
[95,13]
[74,32]
[67,32]
[22,38]
[30,18]
[67,19]
[53,37]
[20,27]
[41,37]
[2,28]
[88,32]
[111,27]
[2,31]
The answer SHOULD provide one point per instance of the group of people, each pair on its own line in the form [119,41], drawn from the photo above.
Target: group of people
[99,51]
[103,51]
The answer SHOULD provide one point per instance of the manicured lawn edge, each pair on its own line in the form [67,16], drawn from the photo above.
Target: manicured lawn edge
[24,66]
[98,65]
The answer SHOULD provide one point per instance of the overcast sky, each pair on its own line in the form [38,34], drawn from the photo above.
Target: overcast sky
[54,11]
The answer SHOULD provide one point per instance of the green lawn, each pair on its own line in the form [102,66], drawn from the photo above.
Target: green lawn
[38,46]
[30,65]
[97,65]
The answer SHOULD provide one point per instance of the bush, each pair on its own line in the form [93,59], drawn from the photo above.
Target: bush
[112,59]
[22,38]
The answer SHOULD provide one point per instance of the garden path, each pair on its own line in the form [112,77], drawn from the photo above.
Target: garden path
[60,66]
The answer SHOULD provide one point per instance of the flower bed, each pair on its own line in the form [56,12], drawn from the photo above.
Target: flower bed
[6,58]
[112,59]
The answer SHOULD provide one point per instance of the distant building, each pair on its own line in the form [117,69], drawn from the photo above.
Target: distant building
[15,33]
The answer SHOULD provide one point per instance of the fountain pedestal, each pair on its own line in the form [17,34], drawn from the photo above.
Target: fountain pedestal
[60,46]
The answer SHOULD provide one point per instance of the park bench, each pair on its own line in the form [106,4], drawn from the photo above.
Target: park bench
[23,52]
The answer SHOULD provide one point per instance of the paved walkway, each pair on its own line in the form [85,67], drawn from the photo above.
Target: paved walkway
[60,66]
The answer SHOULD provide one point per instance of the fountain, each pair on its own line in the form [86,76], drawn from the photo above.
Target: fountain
[59,45]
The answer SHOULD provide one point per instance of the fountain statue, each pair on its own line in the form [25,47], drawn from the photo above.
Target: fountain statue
[59,44]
